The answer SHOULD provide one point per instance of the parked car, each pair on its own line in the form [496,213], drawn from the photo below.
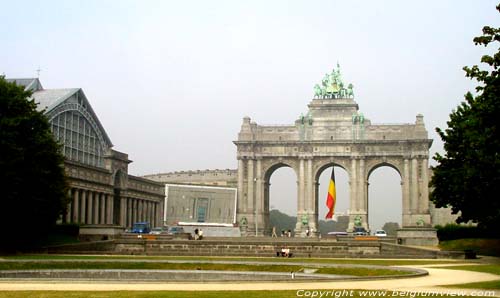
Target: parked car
[159,231]
[337,233]
[141,227]
[360,231]
[175,230]
[380,233]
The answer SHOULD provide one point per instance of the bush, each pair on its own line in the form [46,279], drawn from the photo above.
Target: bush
[68,229]
[454,231]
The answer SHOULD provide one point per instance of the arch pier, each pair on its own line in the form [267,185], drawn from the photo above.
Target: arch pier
[333,133]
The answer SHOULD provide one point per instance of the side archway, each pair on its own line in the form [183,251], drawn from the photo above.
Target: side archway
[283,195]
[384,195]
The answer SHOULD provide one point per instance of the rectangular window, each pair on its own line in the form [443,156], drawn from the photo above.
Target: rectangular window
[202,208]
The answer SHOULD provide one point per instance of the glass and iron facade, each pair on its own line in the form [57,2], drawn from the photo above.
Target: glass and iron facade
[78,137]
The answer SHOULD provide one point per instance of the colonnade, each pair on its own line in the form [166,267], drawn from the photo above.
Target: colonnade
[138,210]
[90,207]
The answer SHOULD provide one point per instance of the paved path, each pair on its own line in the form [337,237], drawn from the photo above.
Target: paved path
[437,277]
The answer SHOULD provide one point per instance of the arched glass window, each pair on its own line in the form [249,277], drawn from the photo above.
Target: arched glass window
[78,137]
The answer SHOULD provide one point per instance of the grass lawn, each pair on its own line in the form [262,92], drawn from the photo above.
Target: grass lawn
[488,285]
[192,266]
[204,294]
[487,247]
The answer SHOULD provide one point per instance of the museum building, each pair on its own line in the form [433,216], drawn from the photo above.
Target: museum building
[105,199]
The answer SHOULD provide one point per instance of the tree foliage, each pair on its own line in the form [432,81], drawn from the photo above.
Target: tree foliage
[34,192]
[391,228]
[467,177]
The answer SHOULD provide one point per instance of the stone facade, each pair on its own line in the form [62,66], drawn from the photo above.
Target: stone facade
[105,199]
[225,177]
[333,133]
[199,204]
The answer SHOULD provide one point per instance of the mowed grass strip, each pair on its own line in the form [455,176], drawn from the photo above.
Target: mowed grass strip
[487,285]
[355,271]
[387,262]
[145,266]
[488,247]
[362,271]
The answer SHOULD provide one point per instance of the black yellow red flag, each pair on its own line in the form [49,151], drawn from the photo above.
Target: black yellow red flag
[331,197]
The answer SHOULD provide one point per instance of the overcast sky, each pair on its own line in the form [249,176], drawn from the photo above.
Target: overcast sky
[171,80]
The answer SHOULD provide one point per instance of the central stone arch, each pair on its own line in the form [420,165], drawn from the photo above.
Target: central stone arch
[319,165]
[332,133]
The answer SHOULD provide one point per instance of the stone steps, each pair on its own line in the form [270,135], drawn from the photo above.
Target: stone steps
[266,247]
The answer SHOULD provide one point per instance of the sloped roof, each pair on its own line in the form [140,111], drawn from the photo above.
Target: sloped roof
[32,84]
[50,98]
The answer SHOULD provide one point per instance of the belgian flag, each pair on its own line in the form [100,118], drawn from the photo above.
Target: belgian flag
[331,198]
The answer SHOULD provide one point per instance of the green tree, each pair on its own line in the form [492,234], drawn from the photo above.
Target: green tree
[34,191]
[391,228]
[467,177]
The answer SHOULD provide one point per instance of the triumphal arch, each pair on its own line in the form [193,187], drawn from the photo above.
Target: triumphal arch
[332,133]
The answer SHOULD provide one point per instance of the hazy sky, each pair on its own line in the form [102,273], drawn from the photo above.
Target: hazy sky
[172,80]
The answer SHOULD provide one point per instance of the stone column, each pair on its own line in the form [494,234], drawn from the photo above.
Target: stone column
[90,207]
[363,193]
[83,207]
[250,195]
[414,186]
[123,212]
[353,188]
[96,208]
[67,217]
[155,215]
[302,204]
[313,203]
[143,210]
[129,213]
[362,186]
[406,193]
[150,212]
[259,198]
[309,188]
[136,210]
[424,199]
[161,212]
[109,219]
[76,204]
[149,217]
[140,210]
[242,206]
[102,216]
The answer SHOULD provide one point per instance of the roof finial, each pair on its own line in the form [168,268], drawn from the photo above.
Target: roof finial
[38,72]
